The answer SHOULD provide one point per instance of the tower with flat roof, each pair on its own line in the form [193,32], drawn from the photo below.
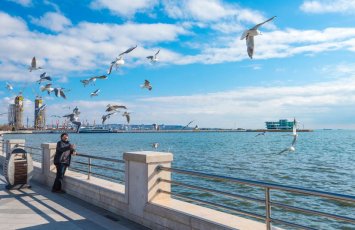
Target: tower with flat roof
[40,115]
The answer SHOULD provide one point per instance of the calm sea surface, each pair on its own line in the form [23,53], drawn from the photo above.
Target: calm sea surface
[323,160]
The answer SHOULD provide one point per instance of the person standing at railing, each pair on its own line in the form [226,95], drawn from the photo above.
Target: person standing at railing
[62,158]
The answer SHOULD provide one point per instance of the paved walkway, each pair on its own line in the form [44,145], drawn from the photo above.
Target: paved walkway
[38,208]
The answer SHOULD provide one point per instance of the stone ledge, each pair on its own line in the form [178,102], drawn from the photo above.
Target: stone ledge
[148,156]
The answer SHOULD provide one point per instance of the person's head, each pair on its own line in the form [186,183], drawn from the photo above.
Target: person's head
[64,137]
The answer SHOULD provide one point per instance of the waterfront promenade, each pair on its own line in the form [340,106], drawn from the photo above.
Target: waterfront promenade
[38,208]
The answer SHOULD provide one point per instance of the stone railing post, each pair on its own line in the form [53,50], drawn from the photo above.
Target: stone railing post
[12,143]
[2,144]
[142,178]
[48,151]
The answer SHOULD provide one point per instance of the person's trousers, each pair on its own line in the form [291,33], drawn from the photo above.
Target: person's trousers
[61,168]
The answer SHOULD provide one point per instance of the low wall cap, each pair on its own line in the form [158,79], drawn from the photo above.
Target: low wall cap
[148,156]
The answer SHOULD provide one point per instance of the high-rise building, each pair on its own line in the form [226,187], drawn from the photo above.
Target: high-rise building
[17,112]
[40,115]
[11,114]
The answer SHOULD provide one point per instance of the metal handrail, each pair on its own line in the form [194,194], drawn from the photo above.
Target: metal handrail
[267,201]
[100,158]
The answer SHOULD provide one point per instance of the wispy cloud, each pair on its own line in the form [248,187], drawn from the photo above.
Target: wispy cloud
[123,7]
[53,21]
[328,6]
[25,3]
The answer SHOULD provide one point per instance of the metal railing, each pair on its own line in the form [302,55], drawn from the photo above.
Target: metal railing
[89,165]
[266,201]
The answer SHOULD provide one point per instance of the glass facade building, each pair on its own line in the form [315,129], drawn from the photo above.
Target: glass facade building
[281,124]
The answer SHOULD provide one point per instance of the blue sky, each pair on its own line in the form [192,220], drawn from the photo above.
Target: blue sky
[303,65]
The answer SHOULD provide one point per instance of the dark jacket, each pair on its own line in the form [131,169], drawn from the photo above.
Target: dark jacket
[63,153]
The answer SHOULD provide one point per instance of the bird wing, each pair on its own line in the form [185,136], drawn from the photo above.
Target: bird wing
[155,55]
[56,91]
[43,75]
[128,50]
[33,63]
[146,82]
[62,94]
[48,78]
[102,77]
[250,46]
[285,150]
[258,25]
[244,35]
[294,140]
[150,57]
[110,69]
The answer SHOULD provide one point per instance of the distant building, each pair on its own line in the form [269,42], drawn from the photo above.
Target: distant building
[40,116]
[15,113]
[11,115]
[281,124]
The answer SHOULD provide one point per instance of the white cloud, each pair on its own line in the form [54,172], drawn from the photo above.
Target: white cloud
[25,3]
[123,7]
[53,21]
[328,6]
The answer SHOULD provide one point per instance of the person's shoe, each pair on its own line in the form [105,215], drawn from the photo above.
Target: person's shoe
[58,191]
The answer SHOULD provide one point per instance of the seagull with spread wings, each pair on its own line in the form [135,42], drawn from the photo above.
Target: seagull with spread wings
[44,77]
[295,135]
[9,86]
[154,58]
[127,115]
[33,65]
[47,88]
[119,61]
[95,93]
[248,35]
[147,85]
[114,107]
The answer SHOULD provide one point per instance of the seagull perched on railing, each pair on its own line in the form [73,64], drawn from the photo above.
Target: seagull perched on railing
[9,86]
[119,61]
[107,116]
[295,135]
[44,77]
[47,88]
[95,93]
[114,107]
[249,36]
[147,85]
[154,58]
[127,115]
[34,65]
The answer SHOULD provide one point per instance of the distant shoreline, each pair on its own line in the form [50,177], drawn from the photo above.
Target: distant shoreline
[160,131]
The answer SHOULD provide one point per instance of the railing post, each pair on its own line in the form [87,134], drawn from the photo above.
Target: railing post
[142,178]
[2,155]
[267,209]
[48,152]
[89,168]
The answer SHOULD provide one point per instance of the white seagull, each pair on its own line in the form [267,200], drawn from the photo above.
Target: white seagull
[107,116]
[74,118]
[259,134]
[147,85]
[9,86]
[59,92]
[47,88]
[154,58]
[95,93]
[295,135]
[93,80]
[155,145]
[127,115]
[119,61]
[249,36]
[44,77]
[114,107]
[34,65]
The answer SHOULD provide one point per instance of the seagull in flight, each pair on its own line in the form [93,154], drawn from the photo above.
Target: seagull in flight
[248,35]
[154,58]
[34,65]
[259,134]
[187,125]
[47,88]
[92,80]
[114,107]
[59,92]
[295,135]
[119,61]
[44,77]
[127,115]
[74,118]
[9,86]
[56,116]
[147,85]
[155,145]
[41,108]
[107,116]
[95,93]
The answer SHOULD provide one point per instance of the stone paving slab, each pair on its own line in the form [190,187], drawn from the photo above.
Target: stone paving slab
[38,208]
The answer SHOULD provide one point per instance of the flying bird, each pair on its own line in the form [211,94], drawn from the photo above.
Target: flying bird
[41,108]
[295,135]
[127,115]
[47,88]
[259,134]
[95,93]
[114,107]
[147,85]
[119,61]
[93,80]
[59,92]
[154,58]
[107,116]
[187,125]
[249,36]
[9,86]
[34,65]
[44,77]
[74,118]
[155,145]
